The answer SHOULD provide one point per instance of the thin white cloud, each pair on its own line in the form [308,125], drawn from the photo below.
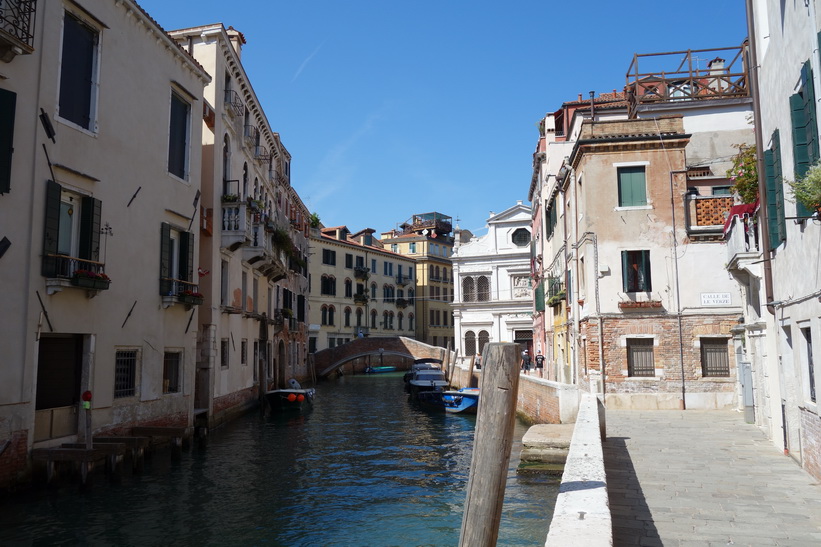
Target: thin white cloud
[305,62]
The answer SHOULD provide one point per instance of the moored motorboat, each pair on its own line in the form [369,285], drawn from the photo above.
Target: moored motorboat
[292,398]
[426,380]
[378,370]
[465,400]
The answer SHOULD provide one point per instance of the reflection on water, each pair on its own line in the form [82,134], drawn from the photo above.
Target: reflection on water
[363,468]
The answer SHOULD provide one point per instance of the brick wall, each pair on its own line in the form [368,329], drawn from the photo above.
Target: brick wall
[229,406]
[394,345]
[14,460]
[811,443]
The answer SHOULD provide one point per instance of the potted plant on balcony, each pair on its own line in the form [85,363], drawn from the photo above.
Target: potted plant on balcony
[89,279]
[230,198]
[556,299]
[190,297]
[287,313]
[807,189]
[744,174]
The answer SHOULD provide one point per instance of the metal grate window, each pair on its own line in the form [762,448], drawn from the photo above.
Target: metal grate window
[171,372]
[810,365]
[470,343]
[224,353]
[640,357]
[715,361]
[125,373]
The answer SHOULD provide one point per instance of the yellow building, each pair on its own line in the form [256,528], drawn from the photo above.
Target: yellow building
[428,239]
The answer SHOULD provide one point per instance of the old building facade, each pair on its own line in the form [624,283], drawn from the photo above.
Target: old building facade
[492,284]
[81,197]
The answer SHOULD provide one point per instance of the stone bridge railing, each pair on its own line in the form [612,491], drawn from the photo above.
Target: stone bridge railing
[328,360]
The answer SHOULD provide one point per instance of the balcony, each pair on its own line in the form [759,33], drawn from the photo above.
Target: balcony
[179,291]
[16,28]
[261,154]
[402,280]
[741,237]
[706,215]
[236,225]
[68,271]
[361,272]
[233,103]
[360,299]
[251,134]
[675,77]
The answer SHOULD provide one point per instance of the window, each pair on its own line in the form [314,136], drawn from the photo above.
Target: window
[400,319]
[410,322]
[715,361]
[373,265]
[807,334]
[484,338]
[223,283]
[331,311]
[552,219]
[411,296]
[72,230]
[125,373]
[8,102]
[348,260]
[632,191]
[468,290]
[521,237]
[171,372]
[635,268]
[347,317]
[483,289]
[640,357]
[179,136]
[243,352]
[804,129]
[78,72]
[394,247]
[244,291]
[777,224]
[470,343]
[348,288]
[373,319]
[329,257]
[360,262]
[176,261]
[224,353]
[327,285]
[324,319]
[722,191]
[412,248]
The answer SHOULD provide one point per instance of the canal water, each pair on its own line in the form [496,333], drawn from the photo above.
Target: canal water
[363,468]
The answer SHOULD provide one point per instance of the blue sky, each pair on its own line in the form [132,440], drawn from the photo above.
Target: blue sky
[394,108]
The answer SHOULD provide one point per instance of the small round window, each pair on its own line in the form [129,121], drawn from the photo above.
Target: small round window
[521,237]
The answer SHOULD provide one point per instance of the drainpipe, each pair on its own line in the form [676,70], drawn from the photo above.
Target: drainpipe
[678,288]
[588,236]
[752,64]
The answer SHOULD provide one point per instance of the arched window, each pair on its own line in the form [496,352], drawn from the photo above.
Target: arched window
[373,291]
[470,343]
[347,317]
[411,296]
[244,181]
[437,272]
[444,274]
[482,289]
[324,315]
[348,288]
[373,319]
[468,290]
[358,317]
[331,311]
[484,338]
[226,164]
[385,320]
[410,321]
[401,318]
[256,188]
[385,294]
[430,271]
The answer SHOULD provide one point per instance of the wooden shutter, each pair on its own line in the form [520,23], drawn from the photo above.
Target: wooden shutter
[632,187]
[186,265]
[89,244]
[644,267]
[166,285]
[8,102]
[51,233]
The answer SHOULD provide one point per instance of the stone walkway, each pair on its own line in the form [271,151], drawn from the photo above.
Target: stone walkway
[704,478]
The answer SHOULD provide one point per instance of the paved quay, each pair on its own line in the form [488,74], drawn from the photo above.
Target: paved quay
[704,478]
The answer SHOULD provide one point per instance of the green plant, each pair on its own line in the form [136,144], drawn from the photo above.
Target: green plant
[744,173]
[230,198]
[89,274]
[807,189]
[314,220]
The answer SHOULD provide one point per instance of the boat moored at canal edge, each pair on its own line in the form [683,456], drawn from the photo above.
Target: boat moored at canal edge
[464,401]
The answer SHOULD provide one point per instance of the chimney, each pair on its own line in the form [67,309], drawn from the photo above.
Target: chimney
[716,66]
[237,40]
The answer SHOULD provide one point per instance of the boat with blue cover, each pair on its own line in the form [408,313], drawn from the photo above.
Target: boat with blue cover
[465,400]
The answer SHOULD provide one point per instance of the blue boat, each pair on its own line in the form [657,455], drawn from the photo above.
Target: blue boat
[378,370]
[465,400]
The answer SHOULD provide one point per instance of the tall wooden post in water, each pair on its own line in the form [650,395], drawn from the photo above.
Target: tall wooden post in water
[491,446]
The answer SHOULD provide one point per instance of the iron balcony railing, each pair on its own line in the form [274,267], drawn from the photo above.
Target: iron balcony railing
[234,102]
[251,135]
[16,27]
[66,266]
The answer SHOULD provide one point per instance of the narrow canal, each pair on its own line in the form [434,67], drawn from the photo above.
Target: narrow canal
[364,468]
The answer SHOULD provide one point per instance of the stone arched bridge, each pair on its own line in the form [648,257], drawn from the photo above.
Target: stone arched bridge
[328,360]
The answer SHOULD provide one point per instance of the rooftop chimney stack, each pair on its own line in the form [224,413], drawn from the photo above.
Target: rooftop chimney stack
[237,40]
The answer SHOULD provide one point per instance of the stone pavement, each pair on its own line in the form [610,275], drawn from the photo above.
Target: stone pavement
[704,478]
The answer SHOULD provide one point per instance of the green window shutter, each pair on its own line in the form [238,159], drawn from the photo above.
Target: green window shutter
[166,285]
[632,186]
[798,109]
[186,266]
[51,233]
[89,248]
[779,186]
[625,271]
[8,101]
[539,295]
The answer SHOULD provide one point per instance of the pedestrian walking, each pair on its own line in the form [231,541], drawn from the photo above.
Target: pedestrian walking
[540,364]
[526,362]
[478,361]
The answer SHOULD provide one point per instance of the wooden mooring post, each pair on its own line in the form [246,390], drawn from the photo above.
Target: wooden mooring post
[492,443]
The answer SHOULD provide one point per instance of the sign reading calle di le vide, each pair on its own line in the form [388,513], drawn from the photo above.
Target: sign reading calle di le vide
[716,299]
